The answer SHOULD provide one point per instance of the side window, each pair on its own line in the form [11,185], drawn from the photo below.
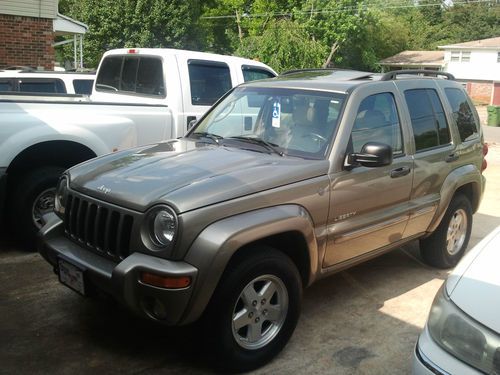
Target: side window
[47,86]
[430,128]
[6,86]
[132,74]
[462,113]
[83,86]
[377,120]
[208,81]
[252,73]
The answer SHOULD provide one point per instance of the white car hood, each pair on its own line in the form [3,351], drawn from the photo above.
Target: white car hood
[474,285]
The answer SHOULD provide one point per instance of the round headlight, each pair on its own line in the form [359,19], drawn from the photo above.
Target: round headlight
[61,196]
[163,227]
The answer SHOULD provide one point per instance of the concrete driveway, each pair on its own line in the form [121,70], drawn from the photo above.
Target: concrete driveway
[361,321]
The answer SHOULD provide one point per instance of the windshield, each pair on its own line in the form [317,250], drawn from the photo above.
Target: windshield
[294,122]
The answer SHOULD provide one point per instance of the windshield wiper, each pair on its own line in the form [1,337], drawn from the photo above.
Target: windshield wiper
[214,137]
[259,141]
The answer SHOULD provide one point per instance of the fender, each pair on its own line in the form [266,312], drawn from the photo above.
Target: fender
[216,244]
[467,174]
[99,143]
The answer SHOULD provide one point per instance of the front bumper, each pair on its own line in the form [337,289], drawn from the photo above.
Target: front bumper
[430,359]
[121,280]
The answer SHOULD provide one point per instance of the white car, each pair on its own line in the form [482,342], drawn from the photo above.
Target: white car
[462,334]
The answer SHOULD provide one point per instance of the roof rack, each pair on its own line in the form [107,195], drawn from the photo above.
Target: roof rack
[311,70]
[393,74]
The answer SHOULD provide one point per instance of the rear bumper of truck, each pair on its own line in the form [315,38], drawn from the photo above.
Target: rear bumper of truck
[121,280]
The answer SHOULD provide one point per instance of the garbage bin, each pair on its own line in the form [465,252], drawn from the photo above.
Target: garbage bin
[494,115]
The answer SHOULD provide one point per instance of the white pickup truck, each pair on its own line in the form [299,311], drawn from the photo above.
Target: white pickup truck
[140,96]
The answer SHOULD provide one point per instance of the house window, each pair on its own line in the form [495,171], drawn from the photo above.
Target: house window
[455,56]
[460,56]
[465,56]
[498,57]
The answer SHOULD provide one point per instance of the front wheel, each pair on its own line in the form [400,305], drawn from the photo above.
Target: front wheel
[446,246]
[254,310]
[31,201]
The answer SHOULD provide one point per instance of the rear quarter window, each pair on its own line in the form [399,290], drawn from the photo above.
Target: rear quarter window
[430,128]
[83,86]
[462,113]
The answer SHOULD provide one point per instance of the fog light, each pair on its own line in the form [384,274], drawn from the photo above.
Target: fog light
[168,282]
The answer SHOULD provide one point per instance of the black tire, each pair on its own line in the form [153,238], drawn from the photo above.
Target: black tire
[272,265]
[435,248]
[24,191]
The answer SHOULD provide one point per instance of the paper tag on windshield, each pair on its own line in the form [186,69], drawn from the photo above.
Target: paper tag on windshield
[276,115]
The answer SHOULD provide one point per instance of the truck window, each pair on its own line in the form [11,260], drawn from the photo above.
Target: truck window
[462,113]
[42,85]
[208,81]
[141,75]
[430,128]
[83,86]
[253,73]
[377,120]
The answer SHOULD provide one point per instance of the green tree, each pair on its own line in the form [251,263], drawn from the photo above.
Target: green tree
[284,45]
[134,23]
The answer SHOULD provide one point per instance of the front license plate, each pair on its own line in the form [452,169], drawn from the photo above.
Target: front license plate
[71,276]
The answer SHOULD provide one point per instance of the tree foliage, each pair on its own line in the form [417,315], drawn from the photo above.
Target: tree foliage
[285,34]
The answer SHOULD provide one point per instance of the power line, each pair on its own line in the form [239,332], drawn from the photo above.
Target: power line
[361,6]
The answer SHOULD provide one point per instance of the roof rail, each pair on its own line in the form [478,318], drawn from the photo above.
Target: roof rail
[393,74]
[308,70]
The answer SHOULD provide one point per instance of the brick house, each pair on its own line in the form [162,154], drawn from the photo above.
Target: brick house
[475,63]
[27,31]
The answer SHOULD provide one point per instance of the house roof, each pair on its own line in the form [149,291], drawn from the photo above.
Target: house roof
[490,43]
[417,58]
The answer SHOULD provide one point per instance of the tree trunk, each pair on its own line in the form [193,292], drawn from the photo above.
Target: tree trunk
[238,22]
[335,47]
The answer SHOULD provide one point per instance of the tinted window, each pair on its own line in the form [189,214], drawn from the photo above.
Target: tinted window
[150,77]
[132,74]
[377,120]
[109,74]
[5,86]
[83,86]
[251,73]
[462,113]
[430,128]
[208,81]
[49,86]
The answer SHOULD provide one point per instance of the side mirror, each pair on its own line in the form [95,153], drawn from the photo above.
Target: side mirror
[191,120]
[372,154]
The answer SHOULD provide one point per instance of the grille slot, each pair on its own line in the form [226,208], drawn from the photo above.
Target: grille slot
[99,228]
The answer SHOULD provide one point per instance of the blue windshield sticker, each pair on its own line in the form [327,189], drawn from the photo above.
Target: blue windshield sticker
[276,115]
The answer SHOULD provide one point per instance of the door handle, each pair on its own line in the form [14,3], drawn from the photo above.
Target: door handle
[400,172]
[451,157]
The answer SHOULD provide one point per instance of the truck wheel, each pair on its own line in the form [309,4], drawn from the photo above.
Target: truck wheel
[254,310]
[446,246]
[31,200]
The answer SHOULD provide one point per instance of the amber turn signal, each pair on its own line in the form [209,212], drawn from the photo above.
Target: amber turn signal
[168,282]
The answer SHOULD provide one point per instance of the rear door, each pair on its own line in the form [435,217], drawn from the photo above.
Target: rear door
[435,152]
[369,206]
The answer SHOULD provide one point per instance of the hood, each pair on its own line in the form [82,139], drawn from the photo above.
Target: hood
[474,286]
[187,174]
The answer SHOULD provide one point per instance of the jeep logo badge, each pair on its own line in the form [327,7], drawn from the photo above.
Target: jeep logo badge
[104,189]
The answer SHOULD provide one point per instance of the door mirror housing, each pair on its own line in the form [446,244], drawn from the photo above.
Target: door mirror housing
[372,154]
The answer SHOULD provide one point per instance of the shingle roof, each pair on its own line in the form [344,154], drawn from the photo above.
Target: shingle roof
[482,43]
[409,58]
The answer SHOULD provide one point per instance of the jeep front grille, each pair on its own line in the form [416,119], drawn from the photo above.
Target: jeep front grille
[101,229]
